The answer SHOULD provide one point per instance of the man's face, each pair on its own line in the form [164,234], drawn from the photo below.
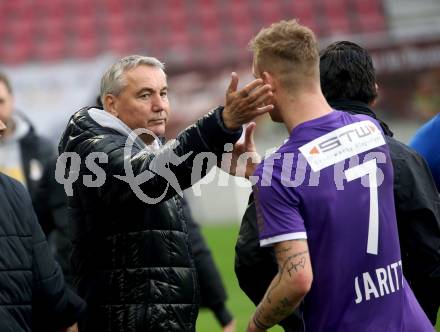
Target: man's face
[143,103]
[6,103]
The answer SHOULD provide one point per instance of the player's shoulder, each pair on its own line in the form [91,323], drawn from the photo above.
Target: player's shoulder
[362,118]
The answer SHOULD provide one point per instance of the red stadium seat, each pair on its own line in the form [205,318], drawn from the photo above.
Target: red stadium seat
[370,15]
[306,12]
[204,30]
[369,7]
[82,7]
[113,6]
[50,44]
[51,50]
[83,48]
[337,17]
[16,51]
[84,37]
[372,23]
[270,11]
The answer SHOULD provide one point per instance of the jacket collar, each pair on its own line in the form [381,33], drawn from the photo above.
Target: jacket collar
[357,107]
[22,128]
[107,120]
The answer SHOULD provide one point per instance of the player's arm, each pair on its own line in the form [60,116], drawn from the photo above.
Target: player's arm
[288,288]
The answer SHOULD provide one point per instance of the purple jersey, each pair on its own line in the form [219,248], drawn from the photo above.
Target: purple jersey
[332,184]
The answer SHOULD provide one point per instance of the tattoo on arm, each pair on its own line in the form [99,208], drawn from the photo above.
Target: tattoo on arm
[259,324]
[296,266]
[276,304]
[283,309]
[292,266]
[280,311]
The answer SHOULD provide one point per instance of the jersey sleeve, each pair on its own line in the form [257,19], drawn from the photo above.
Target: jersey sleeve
[278,214]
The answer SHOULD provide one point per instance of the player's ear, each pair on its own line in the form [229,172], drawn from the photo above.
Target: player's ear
[374,101]
[268,78]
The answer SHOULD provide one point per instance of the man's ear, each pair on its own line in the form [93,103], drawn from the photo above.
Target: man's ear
[268,79]
[110,104]
[374,101]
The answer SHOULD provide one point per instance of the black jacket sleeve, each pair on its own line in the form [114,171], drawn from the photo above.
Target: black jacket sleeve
[418,216]
[54,305]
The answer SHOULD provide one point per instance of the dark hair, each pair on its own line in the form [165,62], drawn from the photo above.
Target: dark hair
[5,80]
[347,72]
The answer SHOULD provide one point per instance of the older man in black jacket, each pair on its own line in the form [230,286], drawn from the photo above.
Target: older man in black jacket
[348,83]
[33,295]
[131,253]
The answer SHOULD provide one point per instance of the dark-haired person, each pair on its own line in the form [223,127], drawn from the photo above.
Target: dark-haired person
[30,158]
[33,295]
[348,92]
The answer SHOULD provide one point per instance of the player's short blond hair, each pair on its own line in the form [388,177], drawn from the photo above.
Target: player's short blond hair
[287,49]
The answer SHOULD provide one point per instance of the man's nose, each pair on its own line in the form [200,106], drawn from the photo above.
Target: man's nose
[158,103]
[2,127]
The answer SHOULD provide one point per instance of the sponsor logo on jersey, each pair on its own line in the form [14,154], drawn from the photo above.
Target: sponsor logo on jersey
[341,144]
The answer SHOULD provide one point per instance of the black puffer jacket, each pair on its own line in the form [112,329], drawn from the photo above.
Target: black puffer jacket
[132,260]
[38,157]
[33,295]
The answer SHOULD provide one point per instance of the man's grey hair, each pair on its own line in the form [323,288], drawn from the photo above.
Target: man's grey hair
[113,81]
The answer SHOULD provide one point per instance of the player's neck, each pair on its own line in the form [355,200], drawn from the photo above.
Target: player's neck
[303,107]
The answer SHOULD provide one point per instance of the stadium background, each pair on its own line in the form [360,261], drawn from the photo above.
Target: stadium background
[56,50]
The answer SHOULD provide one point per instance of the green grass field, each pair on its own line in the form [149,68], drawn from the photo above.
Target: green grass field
[221,240]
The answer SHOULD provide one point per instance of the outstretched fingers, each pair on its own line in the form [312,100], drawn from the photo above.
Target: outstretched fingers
[263,109]
[245,104]
[246,91]
[249,135]
[233,85]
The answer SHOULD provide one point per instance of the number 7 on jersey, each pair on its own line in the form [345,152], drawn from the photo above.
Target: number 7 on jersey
[369,168]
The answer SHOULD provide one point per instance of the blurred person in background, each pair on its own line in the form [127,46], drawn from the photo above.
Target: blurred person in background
[426,141]
[212,291]
[30,159]
[33,294]
[347,80]
[132,258]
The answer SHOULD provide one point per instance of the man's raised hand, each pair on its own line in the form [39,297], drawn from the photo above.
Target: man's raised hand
[244,105]
[245,157]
